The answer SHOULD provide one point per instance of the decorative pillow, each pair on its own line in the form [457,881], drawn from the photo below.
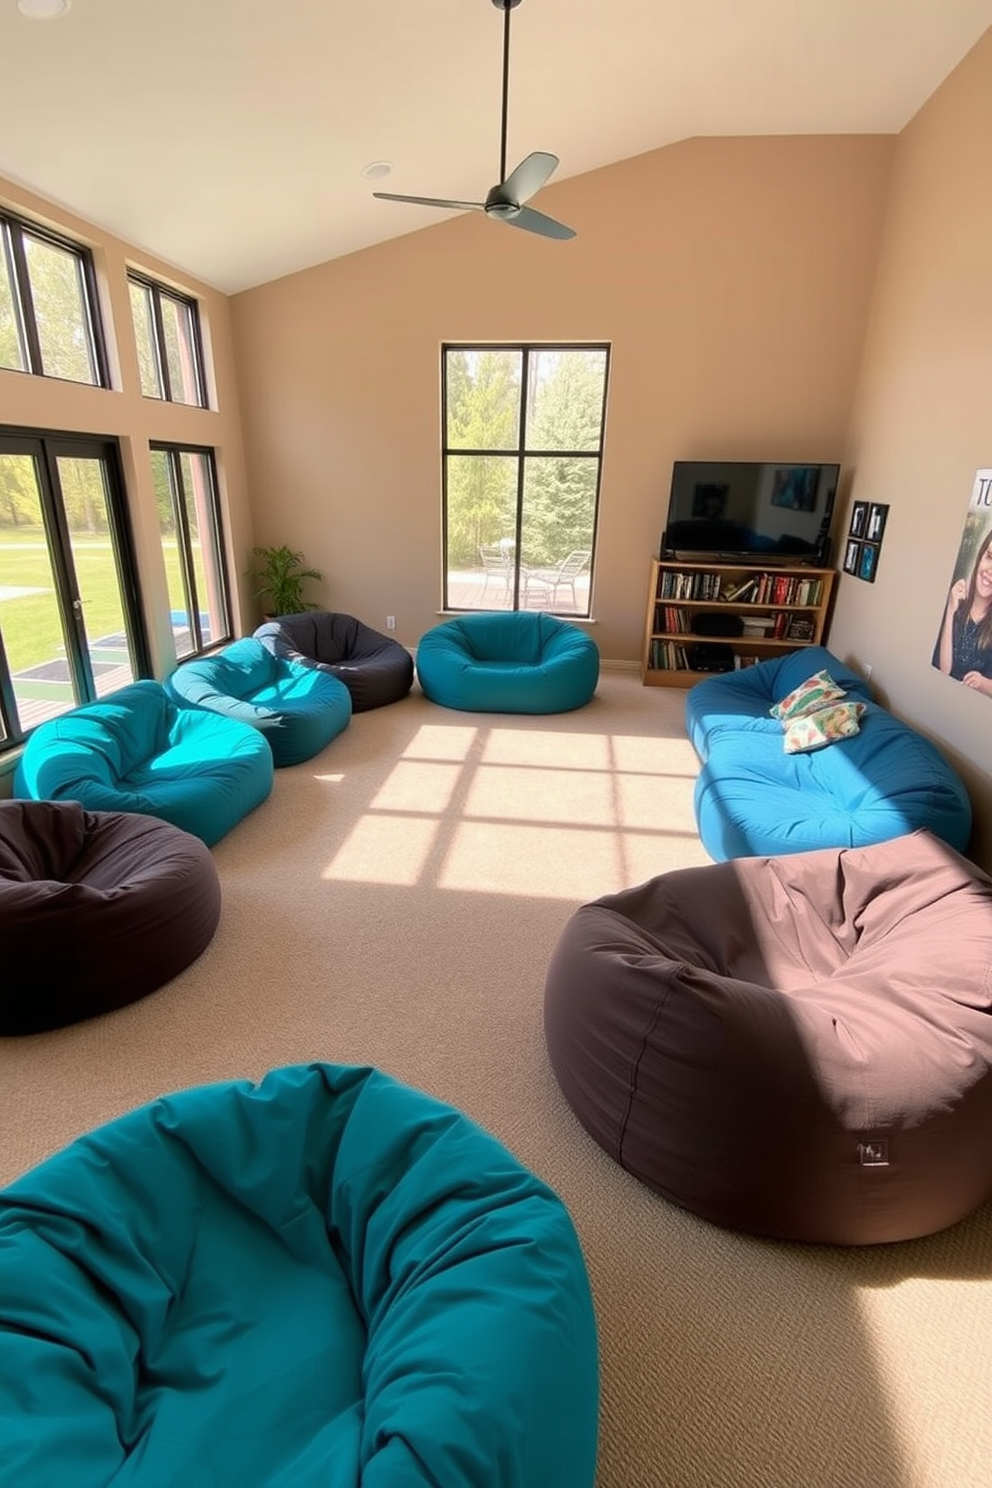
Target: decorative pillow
[815,730]
[814,693]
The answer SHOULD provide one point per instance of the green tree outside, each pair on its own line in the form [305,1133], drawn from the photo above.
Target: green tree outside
[560,491]
[565,410]
[483,414]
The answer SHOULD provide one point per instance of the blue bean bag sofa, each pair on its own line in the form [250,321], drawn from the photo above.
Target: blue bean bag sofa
[325,1279]
[752,799]
[297,709]
[137,750]
[512,662]
[375,668]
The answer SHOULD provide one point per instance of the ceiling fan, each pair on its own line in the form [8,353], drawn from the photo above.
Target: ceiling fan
[506,199]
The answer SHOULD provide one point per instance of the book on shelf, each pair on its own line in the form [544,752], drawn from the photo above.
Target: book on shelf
[775,589]
[671,619]
[800,628]
[668,656]
[740,590]
[681,584]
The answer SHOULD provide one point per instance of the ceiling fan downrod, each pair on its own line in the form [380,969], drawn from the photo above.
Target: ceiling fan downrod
[505,6]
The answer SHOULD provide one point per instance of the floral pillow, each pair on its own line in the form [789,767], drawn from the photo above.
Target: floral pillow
[815,730]
[816,692]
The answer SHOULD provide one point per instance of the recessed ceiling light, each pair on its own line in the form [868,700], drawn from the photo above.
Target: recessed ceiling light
[375,169]
[43,10]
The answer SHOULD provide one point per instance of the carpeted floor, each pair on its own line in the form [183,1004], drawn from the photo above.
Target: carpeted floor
[395,903]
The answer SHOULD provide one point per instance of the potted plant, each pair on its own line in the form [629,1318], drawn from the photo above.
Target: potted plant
[278,575]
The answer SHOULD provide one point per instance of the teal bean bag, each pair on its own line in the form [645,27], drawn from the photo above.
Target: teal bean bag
[137,750]
[298,709]
[323,1281]
[508,662]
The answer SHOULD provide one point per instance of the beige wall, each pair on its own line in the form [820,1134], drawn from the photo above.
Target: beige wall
[731,277]
[921,425]
[121,411]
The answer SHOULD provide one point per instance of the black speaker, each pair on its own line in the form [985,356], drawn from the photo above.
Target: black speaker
[718,623]
[710,656]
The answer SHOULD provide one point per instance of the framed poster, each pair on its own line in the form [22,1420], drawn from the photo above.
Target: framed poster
[868,561]
[963,648]
[877,514]
[852,556]
[859,518]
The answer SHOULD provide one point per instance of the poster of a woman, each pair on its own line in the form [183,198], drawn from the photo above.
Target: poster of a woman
[964,641]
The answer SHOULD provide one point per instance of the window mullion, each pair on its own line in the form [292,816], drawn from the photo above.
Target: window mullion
[161,354]
[521,448]
[199,361]
[94,323]
[22,288]
[60,546]
[13,733]
[185,547]
[6,242]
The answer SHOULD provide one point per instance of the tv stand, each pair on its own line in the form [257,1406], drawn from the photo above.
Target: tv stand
[784,606]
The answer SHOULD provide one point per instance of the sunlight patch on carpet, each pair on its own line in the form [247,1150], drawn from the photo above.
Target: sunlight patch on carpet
[506,746]
[384,850]
[497,858]
[435,741]
[417,785]
[542,795]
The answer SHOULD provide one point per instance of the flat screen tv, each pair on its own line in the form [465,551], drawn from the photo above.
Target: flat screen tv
[740,509]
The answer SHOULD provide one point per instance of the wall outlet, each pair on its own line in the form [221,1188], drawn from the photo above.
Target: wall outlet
[390,622]
[867,671]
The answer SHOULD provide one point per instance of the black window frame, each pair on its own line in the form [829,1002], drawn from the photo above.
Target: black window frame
[46,446]
[159,291]
[174,452]
[520,453]
[13,229]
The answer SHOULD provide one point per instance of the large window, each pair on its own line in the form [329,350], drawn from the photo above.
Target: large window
[522,456]
[170,352]
[49,321]
[189,521]
[70,622]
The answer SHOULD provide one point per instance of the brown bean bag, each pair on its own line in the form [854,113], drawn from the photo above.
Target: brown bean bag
[799,1046]
[97,909]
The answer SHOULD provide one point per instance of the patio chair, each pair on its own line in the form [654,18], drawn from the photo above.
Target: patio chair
[550,580]
[496,568]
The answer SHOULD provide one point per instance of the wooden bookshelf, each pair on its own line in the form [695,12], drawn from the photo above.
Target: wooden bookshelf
[782,609]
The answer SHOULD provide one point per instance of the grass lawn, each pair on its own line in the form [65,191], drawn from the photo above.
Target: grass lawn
[31,625]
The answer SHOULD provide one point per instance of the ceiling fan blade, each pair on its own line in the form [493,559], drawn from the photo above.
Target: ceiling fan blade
[536,222]
[528,178]
[430,201]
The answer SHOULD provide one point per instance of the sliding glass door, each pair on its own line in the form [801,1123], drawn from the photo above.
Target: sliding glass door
[70,622]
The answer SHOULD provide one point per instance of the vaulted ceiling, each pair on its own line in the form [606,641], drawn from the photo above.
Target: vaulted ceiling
[229,137]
